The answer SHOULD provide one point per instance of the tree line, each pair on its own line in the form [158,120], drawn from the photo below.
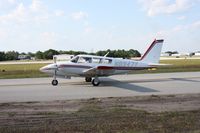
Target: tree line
[48,54]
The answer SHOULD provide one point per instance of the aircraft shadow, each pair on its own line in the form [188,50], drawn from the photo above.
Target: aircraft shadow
[185,80]
[129,84]
[126,85]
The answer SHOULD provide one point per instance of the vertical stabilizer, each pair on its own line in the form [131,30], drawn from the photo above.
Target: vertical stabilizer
[152,55]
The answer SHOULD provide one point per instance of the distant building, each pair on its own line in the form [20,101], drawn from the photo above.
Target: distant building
[185,54]
[176,55]
[32,58]
[24,57]
[63,57]
[197,53]
[165,55]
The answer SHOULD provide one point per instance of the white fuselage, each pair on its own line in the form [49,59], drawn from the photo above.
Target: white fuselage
[107,66]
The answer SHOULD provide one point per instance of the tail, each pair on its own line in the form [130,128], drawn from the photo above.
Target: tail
[152,55]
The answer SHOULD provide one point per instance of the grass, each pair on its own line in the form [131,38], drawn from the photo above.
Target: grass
[21,71]
[185,65]
[100,116]
[93,118]
[32,70]
[181,65]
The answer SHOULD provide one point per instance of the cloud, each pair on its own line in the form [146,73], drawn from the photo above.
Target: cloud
[35,12]
[156,7]
[6,3]
[19,14]
[88,29]
[47,35]
[3,34]
[195,26]
[79,15]
[181,18]
[12,1]
[59,13]
[48,38]
[36,6]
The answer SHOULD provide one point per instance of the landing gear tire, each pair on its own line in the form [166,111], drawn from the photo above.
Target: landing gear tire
[88,79]
[54,82]
[95,82]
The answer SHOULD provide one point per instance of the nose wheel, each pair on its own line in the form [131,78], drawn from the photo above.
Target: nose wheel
[54,82]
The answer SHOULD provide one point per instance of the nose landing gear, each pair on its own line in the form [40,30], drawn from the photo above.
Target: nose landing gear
[54,82]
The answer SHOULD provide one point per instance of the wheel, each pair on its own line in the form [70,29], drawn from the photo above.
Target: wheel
[54,82]
[95,82]
[88,79]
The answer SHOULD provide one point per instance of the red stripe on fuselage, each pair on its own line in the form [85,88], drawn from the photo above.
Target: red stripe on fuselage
[122,68]
[74,66]
[105,67]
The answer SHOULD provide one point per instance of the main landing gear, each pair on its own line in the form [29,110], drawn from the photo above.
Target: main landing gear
[95,81]
[88,79]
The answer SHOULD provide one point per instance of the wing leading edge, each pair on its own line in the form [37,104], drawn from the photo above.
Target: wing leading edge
[100,71]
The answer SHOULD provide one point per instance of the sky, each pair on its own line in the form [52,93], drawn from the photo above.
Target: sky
[92,25]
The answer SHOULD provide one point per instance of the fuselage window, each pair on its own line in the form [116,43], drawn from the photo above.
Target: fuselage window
[88,59]
[101,61]
[79,59]
[75,59]
[106,61]
[96,60]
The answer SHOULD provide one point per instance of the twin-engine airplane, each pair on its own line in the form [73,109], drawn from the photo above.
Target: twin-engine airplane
[92,67]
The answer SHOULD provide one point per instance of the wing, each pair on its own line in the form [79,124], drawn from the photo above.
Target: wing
[99,71]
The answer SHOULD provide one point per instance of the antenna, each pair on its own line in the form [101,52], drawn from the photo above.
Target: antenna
[106,54]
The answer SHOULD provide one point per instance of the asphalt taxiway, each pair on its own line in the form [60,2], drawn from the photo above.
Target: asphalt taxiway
[40,89]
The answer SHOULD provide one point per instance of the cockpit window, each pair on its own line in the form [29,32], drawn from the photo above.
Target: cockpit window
[84,60]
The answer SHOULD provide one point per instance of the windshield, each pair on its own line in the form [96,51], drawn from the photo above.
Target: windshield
[80,59]
[96,60]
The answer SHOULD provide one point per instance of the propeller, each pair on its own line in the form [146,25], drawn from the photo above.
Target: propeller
[55,70]
[55,63]
[54,59]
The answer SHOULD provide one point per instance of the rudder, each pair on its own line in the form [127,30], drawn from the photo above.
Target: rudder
[152,54]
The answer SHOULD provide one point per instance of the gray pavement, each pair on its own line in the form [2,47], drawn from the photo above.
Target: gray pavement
[40,89]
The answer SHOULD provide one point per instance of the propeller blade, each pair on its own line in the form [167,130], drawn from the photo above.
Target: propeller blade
[54,59]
